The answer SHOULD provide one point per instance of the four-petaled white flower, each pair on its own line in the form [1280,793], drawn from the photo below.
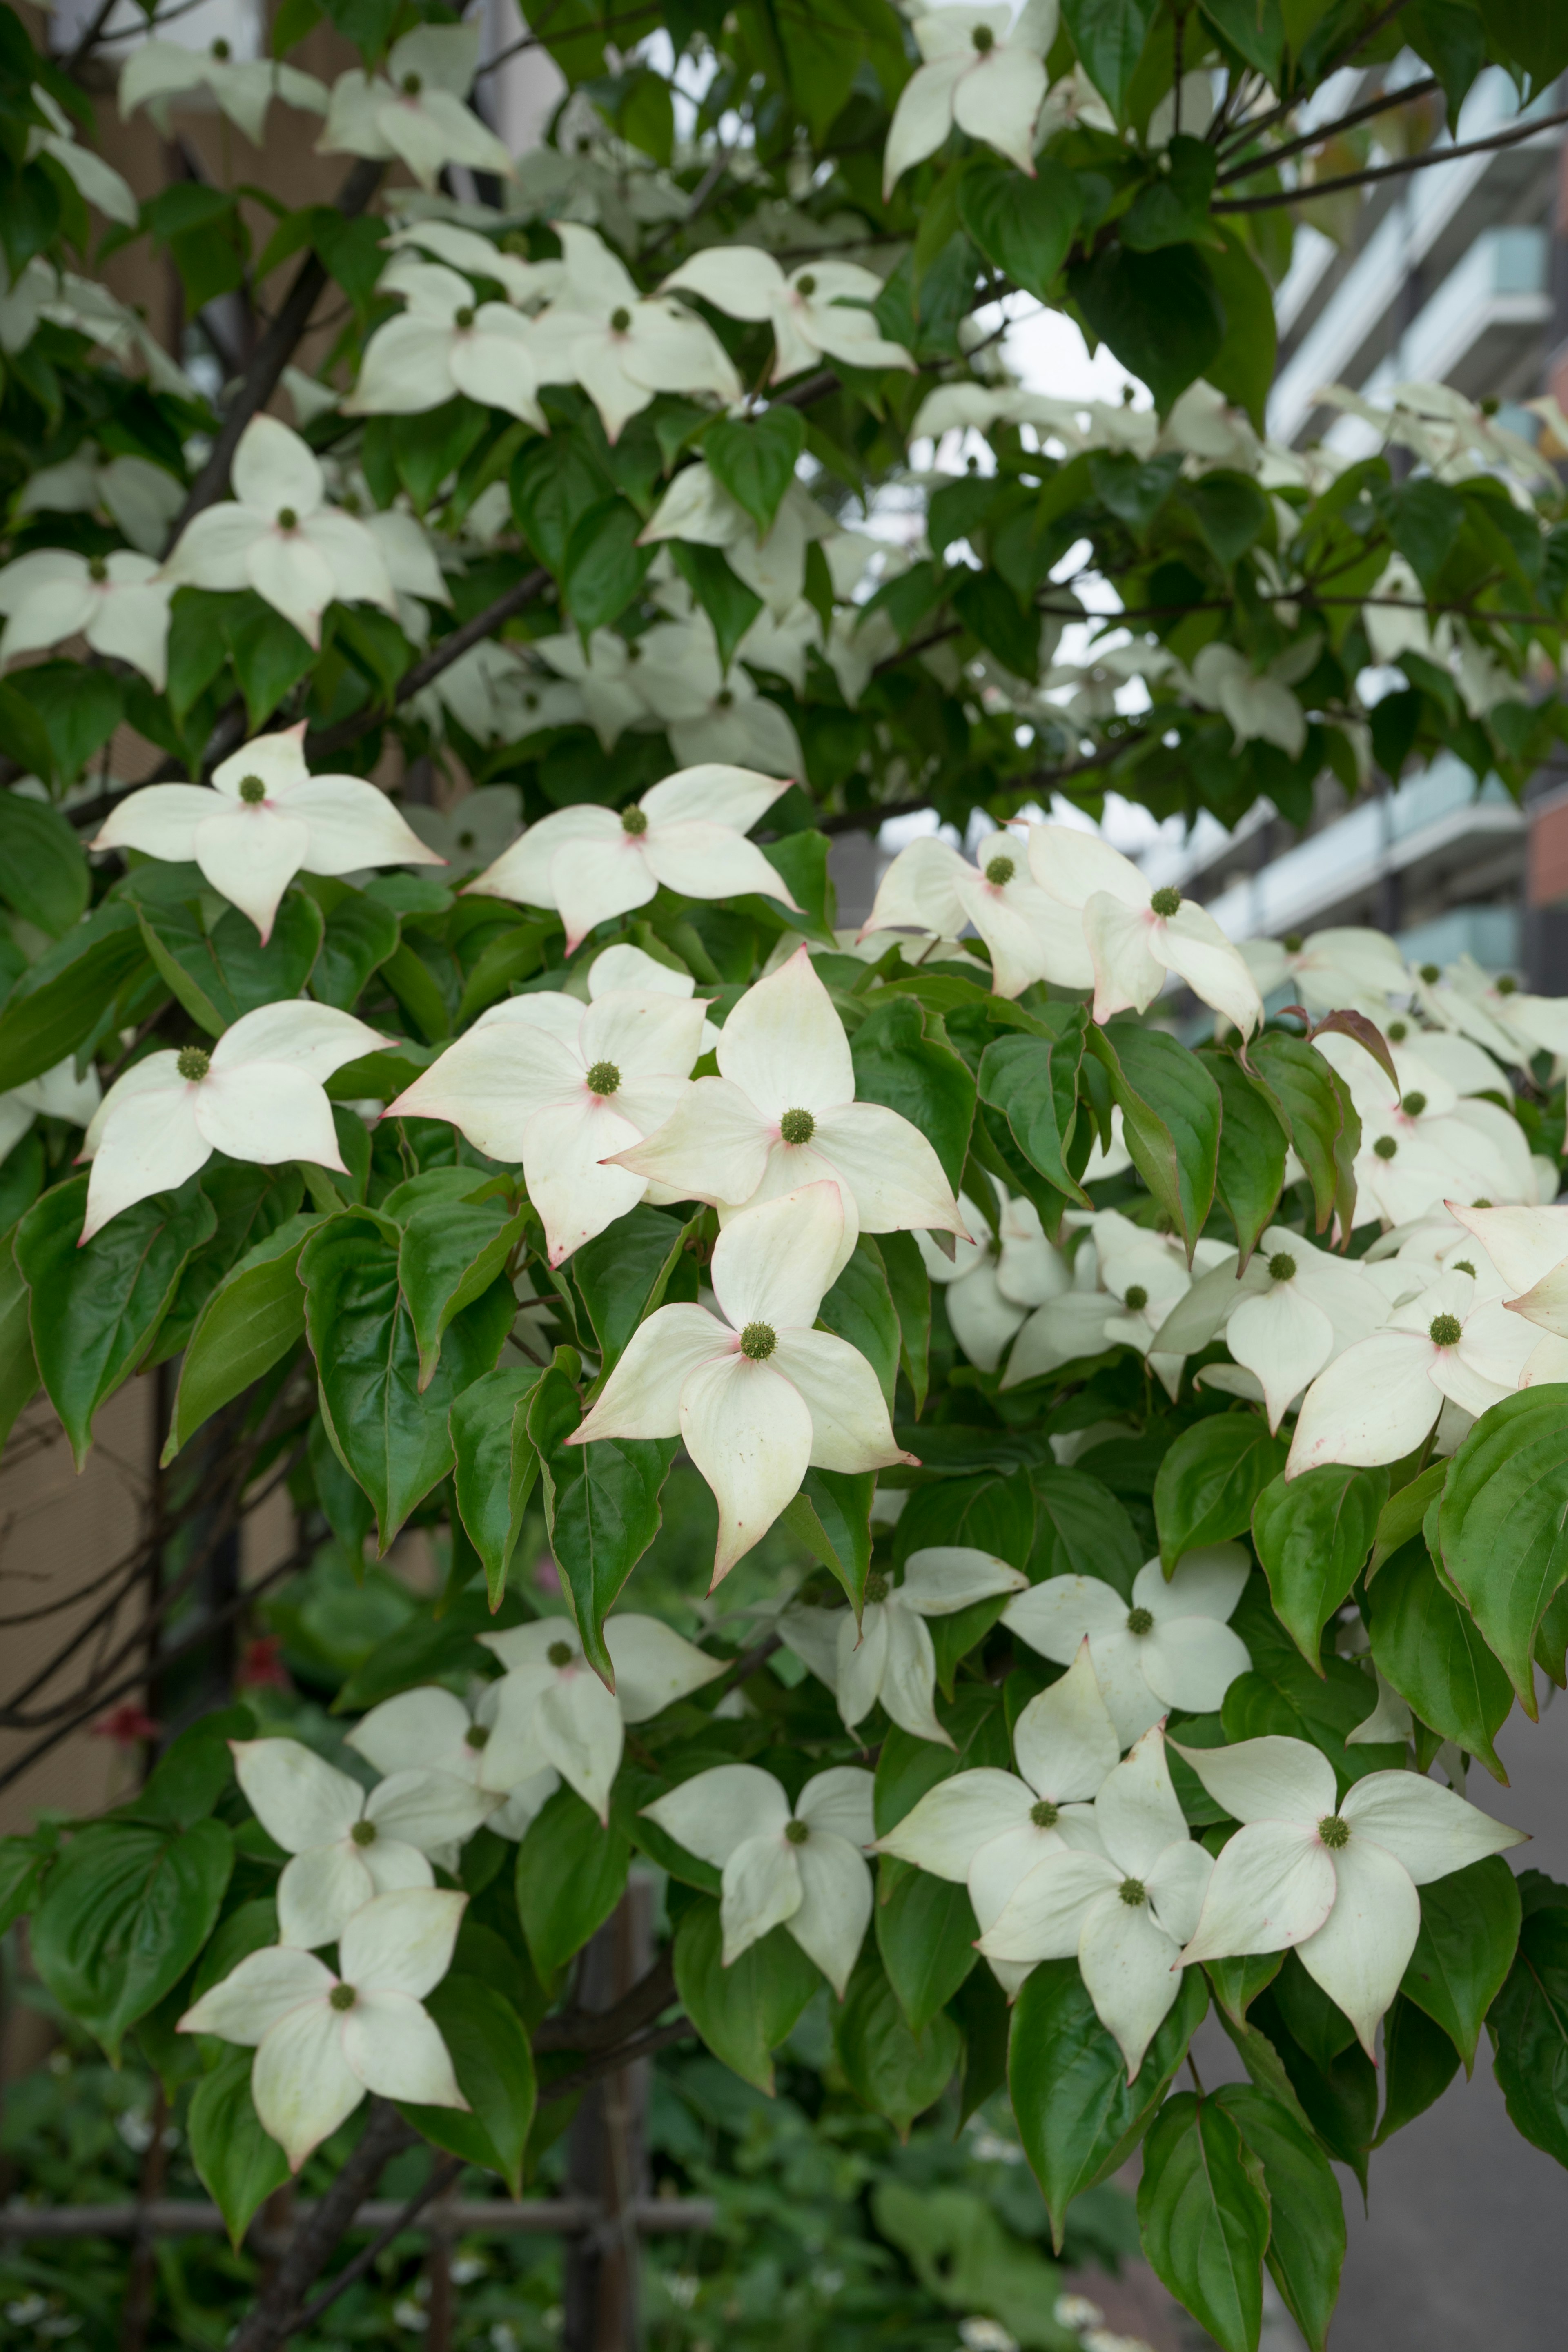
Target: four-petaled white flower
[561,1087]
[1168,1646]
[264,819]
[713,714]
[323,2041]
[988,1829]
[621,346]
[798,1867]
[1347,966]
[414,109]
[429,1729]
[761,1397]
[1137,937]
[119,602]
[243,89]
[257,1095]
[444,343]
[983,71]
[346,1847]
[782,1113]
[686,833]
[1335,1880]
[822,306]
[990,1284]
[1125,1912]
[1294,1310]
[1030,936]
[890,1655]
[278,536]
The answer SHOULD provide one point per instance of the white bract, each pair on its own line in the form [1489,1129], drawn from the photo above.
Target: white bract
[563,1087]
[119,602]
[713,714]
[1168,1646]
[619,344]
[983,71]
[414,109]
[1529,1248]
[323,2041]
[346,1847]
[889,1656]
[928,887]
[1294,1309]
[256,1095]
[823,307]
[1327,970]
[1125,1912]
[686,833]
[761,1396]
[264,819]
[798,1867]
[1138,936]
[988,1829]
[93,179]
[782,1113]
[444,343]
[430,1730]
[56,1094]
[990,1284]
[1334,1881]
[157,71]
[278,535]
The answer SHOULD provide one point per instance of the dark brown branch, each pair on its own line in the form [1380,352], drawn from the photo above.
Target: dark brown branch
[275,2315]
[561,2086]
[1385,104]
[1305,195]
[442,2176]
[591,2030]
[1220,132]
[441,655]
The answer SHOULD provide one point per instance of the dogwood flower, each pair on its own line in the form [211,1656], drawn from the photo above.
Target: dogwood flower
[429,1729]
[1421,1142]
[990,1284]
[1527,1024]
[983,71]
[712,714]
[889,1656]
[1346,967]
[278,535]
[928,887]
[1261,708]
[782,1113]
[347,1846]
[620,346]
[119,602]
[824,307]
[1529,1248]
[415,111]
[988,1829]
[605,673]
[563,1087]
[686,833]
[1334,1881]
[698,509]
[1170,1646]
[1135,936]
[759,1397]
[156,71]
[98,182]
[263,819]
[801,1867]
[1125,1912]
[323,2041]
[623,966]
[1291,1312]
[444,343]
[55,1094]
[256,1095]
[477,255]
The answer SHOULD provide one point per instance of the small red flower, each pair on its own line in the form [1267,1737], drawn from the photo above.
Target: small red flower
[128,1725]
[261,1667]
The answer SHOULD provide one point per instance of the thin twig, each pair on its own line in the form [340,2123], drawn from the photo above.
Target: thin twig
[1434,155]
[1384,104]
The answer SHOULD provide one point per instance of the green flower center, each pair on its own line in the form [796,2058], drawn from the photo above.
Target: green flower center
[1045,1815]
[1430,974]
[97,567]
[1133,1891]
[561,1654]
[807,285]
[1281,1266]
[603,1078]
[252,791]
[635,822]
[192,1062]
[758,1342]
[342,1997]
[797,1126]
[222,52]
[463,318]
[1000,870]
[1480,1204]
[412,84]
[723,699]
[1140,1621]
[1507,985]
[478,1735]
[1415,1104]
[1397,1032]
[1385,1146]
[796,1832]
[1463,1266]
[875,1587]
[287,519]
[1292,942]
[1137,1298]
[363,1834]
[1334,1831]
[620,321]
[984,39]
[1166,902]
[1446,1331]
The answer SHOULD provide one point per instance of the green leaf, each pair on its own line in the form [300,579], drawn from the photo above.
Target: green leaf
[190,1776]
[909,1287]
[515,953]
[742,2011]
[601,1505]
[755,461]
[1209,1480]
[24,1864]
[985,603]
[570,1874]
[1339,2096]
[1081,1530]
[1078,2117]
[1283,1694]
[1450,38]
[493,2062]
[96,1306]
[1109,36]
[1528,2023]
[728,603]
[1404,1514]
[1243,367]
[925,1933]
[902,1061]
[1161,313]
[1325,1129]
[1469,1934]
[495,1464]
[831,1516]
[1171,1117]
[60,1001]
[1252,1146]
[623,1274]
[249,1324]
[1420,2062]
[43,873]
[603,564]
[1204,2215]
[1172,209]
[1503,1523]
[1033,1081]
[1431,1650]
[125,1911]
[79,707]
[237,2163]
[222,975]
[1313,1537]
[1307,2234]
[450,1252]
[269,653]
[361,934]
[1023,227]
[892,2071]
[18,1365]
[860,1309]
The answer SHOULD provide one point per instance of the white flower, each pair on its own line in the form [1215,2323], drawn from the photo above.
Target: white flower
[800,1867]
[930,887]
[623,966]
[1170,1646]
[605,672]
[1127,1911]
[1496,1013]
[686,833]
[1292,1312]
[118,602]
[278,536]
[1259,708]
[1529,1248]
[444,343]
[820,307]
[142,499]
[157,71]
[713,715]
[323,2041]
[1421,1141]
[474,830]
[564,1088]
[481,256]
[429,1729]
[1335,1880]
[619,346]
[256,1095]
[987,1830]
[697,509]
[414,109]
[93,179]
[1346,967]
[990,1284]
[56,1094]
[782,1113]
[264,818]
[347,1847]
[1136,936]
[761,1396]
[889,1656]
[983,71]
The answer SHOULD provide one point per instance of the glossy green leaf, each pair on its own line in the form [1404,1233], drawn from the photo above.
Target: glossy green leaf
[1420,2062]
[756,460]
[1503,1523]
[570,1874]
[361,933]
[1170,1112]
[1033,1081]
[1023,228]
[221,974]
[18,1365]
[623,1274]
[1315,1104]
[1469,1935]
[1431,1650]
[1204,2215]
[743,2011]
[1313,1537]
[237,2163]
[894,2071]
[60,1000]
[1109,36]
[495,1464]
[450,1254]
[909,1287]
[899,1061]
[1252,1146]
[601,1506]
[1527,2026]
[1307,2215]
[493,2062]
[860,1309]
[925,1933]
[43,873]
[125,1911]
[250,1323]
[1210,1479]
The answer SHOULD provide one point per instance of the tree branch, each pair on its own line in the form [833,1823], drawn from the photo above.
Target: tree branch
[441,655]
[1305,195]
[1385,104]
[274,2315]
[591,2030]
